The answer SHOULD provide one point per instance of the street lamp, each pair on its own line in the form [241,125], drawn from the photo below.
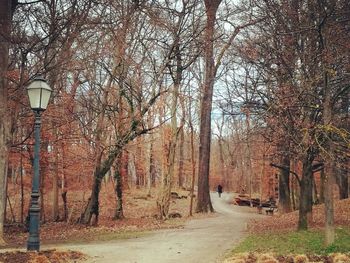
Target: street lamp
[39,94]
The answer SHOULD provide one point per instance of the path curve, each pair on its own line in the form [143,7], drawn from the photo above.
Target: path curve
[201,240]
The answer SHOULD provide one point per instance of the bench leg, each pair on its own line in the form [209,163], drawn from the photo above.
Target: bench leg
[269,212]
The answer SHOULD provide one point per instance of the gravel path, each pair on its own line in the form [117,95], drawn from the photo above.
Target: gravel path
[200,241]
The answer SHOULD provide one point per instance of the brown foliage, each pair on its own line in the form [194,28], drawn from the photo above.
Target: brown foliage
[139,211]
[289,221]
[47,256]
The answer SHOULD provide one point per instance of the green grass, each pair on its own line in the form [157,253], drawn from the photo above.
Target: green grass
[303,242]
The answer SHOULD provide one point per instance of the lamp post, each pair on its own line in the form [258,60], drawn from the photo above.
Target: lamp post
[39,94]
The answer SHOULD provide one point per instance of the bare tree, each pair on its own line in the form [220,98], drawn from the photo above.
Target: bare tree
[204,202]
[212,65]
[7,8]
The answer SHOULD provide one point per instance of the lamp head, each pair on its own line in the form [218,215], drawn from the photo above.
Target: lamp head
[39,93]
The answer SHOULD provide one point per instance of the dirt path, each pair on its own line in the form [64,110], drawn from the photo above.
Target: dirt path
[201,240]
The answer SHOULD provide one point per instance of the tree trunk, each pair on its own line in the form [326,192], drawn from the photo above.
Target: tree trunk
[150,166]
[22,188]
[65,205]
[294,193]
[6,10]
[150,170]
[223,167]
[92,207]
[140,171]
[343,183]
[315,198]
[222,162]
[193,162]
[119,214]
[11,210]
[283,186]
[294,187]
[305,200]
[329,203]
[55,211]
[322,186]
[182,146]
[64,184]
[132,170]
[248,156]
[284,192]
[193,159]
[181,156]
[167,180]
[329,163]
[119,194]
[120,174]
[203,201]
[163,202]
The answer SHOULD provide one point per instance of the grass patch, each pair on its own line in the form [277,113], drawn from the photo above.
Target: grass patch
[301,242]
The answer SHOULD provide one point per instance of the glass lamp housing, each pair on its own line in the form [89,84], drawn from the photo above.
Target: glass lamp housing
[39,93]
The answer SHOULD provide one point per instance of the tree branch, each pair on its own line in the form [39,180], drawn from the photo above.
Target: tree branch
[284,168]
[230,41]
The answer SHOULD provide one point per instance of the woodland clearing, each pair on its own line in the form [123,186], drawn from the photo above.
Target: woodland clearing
[99,98]
[139,211]
[201,239]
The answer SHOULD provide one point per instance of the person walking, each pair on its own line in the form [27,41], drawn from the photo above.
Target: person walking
[219,190]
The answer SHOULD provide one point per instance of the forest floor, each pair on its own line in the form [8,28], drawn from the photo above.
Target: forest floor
[140,220]
[200,240]
[139,211]
[289,222]
[140,237]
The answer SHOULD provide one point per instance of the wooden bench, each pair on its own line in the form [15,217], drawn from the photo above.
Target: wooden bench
[270,210]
